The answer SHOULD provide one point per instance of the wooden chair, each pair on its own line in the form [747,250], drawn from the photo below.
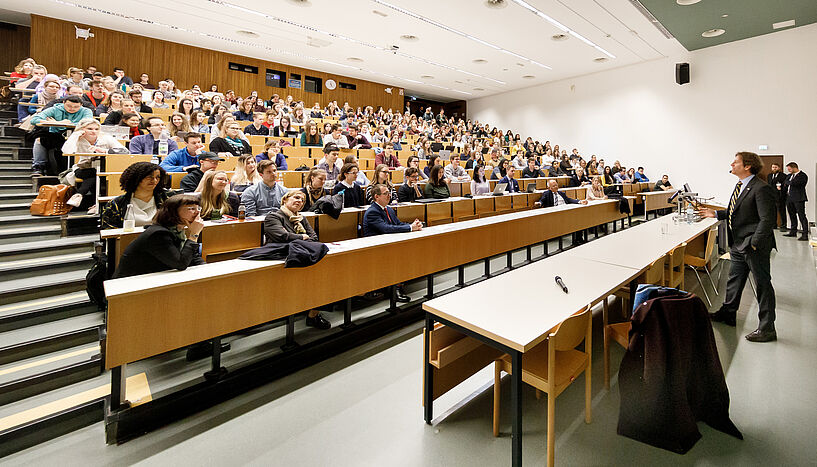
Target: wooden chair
[674,267]
[551,367]
[696,262]
[620,332]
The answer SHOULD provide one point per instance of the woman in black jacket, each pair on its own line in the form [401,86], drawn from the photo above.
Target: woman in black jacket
[143,181]
[230,142]
[353,194]
[169,243]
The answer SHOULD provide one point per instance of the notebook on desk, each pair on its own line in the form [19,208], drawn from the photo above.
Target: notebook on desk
[427,200]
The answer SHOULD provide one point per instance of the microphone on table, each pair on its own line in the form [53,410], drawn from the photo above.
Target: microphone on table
[561,284]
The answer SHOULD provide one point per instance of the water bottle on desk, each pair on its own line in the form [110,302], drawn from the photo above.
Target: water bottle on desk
[130,220]
[163,142]
[690,214]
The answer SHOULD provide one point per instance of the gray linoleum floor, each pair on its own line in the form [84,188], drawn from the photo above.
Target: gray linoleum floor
[363,408]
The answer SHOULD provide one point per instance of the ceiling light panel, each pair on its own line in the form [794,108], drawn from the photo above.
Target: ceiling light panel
[560,26]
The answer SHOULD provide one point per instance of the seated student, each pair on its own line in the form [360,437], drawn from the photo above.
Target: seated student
[414,161]
[216,198]
[531,171]
[663,184]
[386,156]
[381,219]
[169,242]
[230,142]
[436,186]
[310,137]
[284,128]
[432,162]
[454,172]
[185,158]
[142,184]
[555,170]
[607,178]
[245,111]
[149,143]
[179,126]
[353,195]
[141,107]
[261,198]
[410,190]
[500,170]
[596,189]
[246,173]
[86,139]
[51,92]
[329,164]
[257,126]
[112,101]
[513,185]
[361,177]
[134,124]
[272,152]
[356,140]
[579,178]
[480,185]
[621,176]
[115,116]
[94,96]
[553,197]
[313,187]
[520,162]
[475,158]
[394,141]
[335,137]
[198,122]
[158,101]
[381,177]
[54,138]
[639,175]
[207,161]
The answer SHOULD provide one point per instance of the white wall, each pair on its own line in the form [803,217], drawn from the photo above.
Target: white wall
[741,95]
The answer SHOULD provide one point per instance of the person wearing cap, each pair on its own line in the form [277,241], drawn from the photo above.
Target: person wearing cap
[207,161]
[149,143]
[186,158]
[259,199]
[386,157]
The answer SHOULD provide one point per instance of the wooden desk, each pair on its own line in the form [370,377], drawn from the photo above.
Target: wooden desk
[407,212]
[520,327]
[463,210]
[439,213]
[345,227]
[655,200]
[484,206]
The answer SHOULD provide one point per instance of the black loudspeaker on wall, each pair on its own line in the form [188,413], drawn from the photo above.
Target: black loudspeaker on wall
[682,73]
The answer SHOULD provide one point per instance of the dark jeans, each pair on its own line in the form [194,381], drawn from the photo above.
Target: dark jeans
[781,210]
[759,264]
[86,187]
[797,209]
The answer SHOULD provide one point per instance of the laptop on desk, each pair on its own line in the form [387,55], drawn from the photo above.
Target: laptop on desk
[531,188]
[499,190]
[427,200]
[444,155]
[436,146]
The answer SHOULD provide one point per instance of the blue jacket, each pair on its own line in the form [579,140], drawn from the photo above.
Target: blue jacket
[513,185]
[280,160]
[640,178]
[145,144]
[177,160]
[376,222]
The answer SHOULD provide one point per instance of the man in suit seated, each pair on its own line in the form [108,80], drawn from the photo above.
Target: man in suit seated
[381,219]
[553,197]
[579,178]
[513,185]
[796,200]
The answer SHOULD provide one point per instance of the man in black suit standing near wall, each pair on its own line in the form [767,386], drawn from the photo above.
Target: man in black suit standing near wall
[777,180]
[750,221]
[796,200]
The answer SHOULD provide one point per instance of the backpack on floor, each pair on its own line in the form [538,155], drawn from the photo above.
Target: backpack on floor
[52,200]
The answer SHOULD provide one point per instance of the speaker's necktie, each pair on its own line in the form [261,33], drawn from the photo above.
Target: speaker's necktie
[732,202]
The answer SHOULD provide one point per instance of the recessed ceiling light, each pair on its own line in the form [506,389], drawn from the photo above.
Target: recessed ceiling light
[409,38]
[300,2]
[600,59]
[427,77]
[520,64]
[529,77]
[354,59]
[561,26]
[458,81]
[783,24]
[724,16]
[496,4]
[560,37]
[379,13]
[480,61]
[479,89]
[686,2]
[713,32]
[247,33]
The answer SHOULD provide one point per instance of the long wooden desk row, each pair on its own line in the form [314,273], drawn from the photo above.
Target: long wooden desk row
[474,335]
[141,323]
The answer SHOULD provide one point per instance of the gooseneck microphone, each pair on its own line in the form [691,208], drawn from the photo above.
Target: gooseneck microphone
[561,284]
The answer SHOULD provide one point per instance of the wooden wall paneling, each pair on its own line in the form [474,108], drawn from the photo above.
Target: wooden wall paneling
[53,43]
[15,40]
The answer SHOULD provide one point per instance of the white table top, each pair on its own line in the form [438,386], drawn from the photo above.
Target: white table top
[518,308]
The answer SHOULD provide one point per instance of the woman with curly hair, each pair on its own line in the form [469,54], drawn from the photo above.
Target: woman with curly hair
[143,184]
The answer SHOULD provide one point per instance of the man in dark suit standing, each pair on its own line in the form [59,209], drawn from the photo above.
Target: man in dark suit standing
[750,221]
[777,180]
[796,200]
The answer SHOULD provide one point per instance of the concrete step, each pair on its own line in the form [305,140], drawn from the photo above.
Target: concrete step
[44,248]
[17,290]
[44,310]
[28,367]
[24,220]
[6,164]
[17,176]
[21,169]
[17,188]
[34,267]
[17,198]
[14,209]
[29,233]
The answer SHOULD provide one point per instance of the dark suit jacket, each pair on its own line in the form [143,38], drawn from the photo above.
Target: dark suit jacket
[796,187]
[754,217]
[279,229]
[547,200]
[513,185]
[157,249]
[375,221]
[773,180]
[576,181]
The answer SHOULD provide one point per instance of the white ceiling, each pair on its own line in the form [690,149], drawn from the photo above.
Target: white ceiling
[350,28]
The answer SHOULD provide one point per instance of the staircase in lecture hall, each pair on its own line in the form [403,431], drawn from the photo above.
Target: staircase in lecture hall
[51,375]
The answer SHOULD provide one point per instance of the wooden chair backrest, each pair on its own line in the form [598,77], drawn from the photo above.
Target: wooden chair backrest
[710,244]
[572,331]
[676,256]
[654,273]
